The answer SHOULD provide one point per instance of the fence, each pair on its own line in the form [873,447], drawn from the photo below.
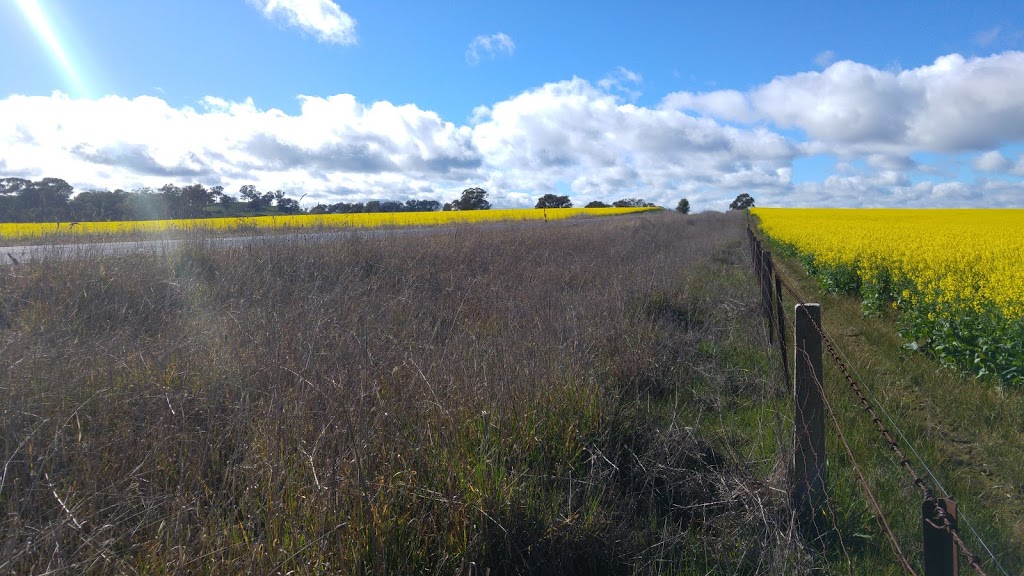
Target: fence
[942,543]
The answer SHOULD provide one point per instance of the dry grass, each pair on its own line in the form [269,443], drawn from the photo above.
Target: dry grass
[571,398]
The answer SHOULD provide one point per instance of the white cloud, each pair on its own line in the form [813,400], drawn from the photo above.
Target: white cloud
[565,133]
[489,46]
[991,161]
[322,18]
[333,146]
[574,132]
[623,81]
[571,134]
[953,105]
[726,104]
[824,59]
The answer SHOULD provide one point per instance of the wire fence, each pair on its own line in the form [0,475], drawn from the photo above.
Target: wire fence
[937,516]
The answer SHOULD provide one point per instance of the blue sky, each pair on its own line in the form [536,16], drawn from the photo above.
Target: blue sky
[803,103]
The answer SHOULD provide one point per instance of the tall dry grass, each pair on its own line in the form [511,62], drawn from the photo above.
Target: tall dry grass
[545,399]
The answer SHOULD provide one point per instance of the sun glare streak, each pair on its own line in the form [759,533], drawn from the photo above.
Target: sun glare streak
[41,26]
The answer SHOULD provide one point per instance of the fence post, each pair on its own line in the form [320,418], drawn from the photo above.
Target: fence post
[781,324]
[940,554]
[767,296]
[809,421]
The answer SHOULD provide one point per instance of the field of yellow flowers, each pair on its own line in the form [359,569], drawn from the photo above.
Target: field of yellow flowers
[12,231]
[955,276]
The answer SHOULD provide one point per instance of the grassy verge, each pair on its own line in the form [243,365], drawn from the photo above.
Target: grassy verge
[542,399]
[550,398]
[966,430]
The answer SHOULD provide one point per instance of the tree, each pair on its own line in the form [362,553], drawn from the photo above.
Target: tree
[553,201]
[44,201]
[630,203]
[289,206]
[472,199]
[742,202]
[96,205]
[251,196]
[597,204]
[422,205]
[193,199]
[683,207]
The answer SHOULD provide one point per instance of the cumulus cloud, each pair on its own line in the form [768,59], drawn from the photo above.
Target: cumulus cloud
[955,104]
[623,81]
[489,46]
[324,19]
[726,104]
[572,131]
[332,144]
[991,161]
[572,135]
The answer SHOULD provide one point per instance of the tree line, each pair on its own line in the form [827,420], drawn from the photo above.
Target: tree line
[54,200]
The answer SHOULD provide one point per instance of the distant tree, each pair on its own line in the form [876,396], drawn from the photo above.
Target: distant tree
[597,204]
[45,200]
[630,203]
[192,199]
[269,199]
[99,205]
[553,201]
[742,202]
[422,205]
[683,207]
[472,199]
[251,196]
[289,206]
[11,186]
[448,207]
[391,206]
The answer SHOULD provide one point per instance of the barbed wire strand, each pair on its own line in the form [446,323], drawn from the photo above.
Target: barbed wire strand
[879,515]
[797,295]
[961,516]
[923,486]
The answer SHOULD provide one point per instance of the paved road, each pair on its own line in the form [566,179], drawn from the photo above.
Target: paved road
[23,254]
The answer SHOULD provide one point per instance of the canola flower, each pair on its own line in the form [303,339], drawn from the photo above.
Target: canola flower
[300,221]
[957,275]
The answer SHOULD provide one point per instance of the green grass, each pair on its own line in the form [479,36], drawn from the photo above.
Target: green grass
[966,430]
[533,399]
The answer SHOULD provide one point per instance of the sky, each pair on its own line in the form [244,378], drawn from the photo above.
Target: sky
[844,104]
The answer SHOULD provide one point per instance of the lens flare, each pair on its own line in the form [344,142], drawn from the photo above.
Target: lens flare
[40,24]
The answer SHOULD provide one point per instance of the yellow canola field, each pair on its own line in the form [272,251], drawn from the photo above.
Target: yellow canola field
[968,258]
[298,221]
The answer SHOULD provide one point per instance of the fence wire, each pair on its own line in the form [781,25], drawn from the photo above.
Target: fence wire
[776,319]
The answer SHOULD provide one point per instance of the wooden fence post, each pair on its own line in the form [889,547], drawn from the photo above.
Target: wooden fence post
[940,553]
[809,421]
[781,325]
[764,274]
[767,295]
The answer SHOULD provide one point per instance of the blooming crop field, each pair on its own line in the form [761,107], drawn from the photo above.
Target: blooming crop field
[364,220]
[956,276]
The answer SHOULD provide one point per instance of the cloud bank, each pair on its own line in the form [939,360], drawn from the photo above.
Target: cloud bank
[953,105]
[587,138]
